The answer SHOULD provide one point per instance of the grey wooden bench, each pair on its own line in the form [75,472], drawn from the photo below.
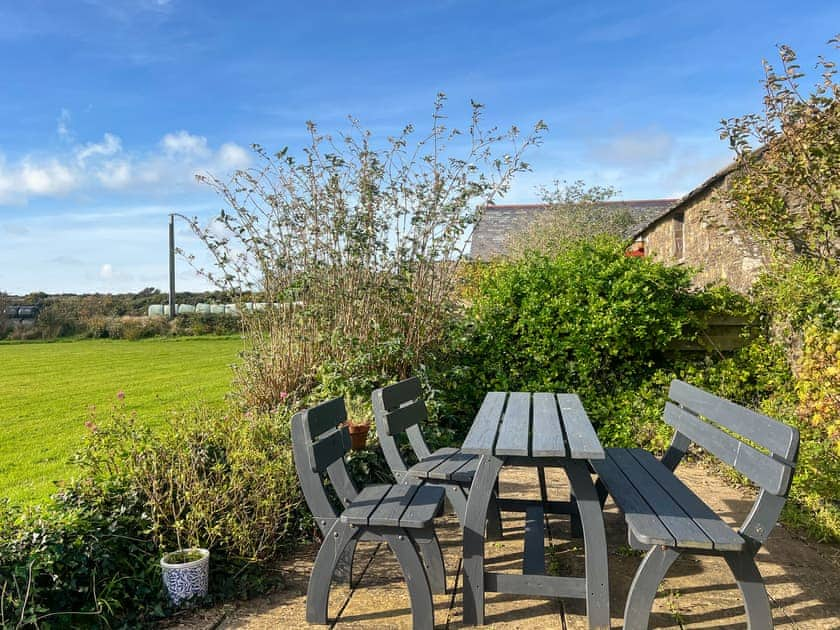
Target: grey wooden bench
[401,515]
[399,409]
[668,519]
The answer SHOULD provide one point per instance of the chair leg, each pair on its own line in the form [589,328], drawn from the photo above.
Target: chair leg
[749,580]
[344,569]
[457,497]
[648,577]
[329,555]
[426,542]
[422,609]
[494,517]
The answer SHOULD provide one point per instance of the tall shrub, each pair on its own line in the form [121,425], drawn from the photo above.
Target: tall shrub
[589,320]
[357,241]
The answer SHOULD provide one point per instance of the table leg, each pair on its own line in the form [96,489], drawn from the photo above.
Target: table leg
[480,492]
[594,544]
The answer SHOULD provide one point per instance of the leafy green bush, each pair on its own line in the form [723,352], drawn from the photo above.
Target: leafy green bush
[194,324]
[220,480]
[83,560]
[589,320]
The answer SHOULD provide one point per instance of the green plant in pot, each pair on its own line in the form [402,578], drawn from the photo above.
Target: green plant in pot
[358,422]
[186,573]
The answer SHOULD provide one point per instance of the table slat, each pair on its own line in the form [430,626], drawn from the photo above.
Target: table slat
[514,433]
[482,435]
[583,441]
[547,434]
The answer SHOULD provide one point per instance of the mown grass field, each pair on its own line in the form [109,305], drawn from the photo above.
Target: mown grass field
[47,391]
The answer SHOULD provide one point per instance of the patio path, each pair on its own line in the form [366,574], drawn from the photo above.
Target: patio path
[699,592]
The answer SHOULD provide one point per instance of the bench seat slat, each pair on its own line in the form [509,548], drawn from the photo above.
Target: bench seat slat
[424,506]
[632,503]
[685,532]
[423,469]
[360,509]
[722,535]
[453,469]
[391,508]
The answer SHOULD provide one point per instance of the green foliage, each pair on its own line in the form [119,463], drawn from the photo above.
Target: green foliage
[787,191]
[83,561]
[804,293]
[215,479]
[197,324]
[223,480]
[590,320]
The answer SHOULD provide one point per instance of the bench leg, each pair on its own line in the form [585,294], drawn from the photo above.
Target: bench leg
[457,496]
[426,542]
[594,544]
[481,492]
[749,580]
[422,610]
[329,555]
[646,582]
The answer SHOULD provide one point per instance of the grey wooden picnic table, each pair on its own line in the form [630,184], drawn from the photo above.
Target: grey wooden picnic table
[536,430]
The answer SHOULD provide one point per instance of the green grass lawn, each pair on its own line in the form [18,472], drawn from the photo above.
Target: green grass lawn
[47,390]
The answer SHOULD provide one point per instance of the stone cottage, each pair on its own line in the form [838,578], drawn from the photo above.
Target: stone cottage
[699,231]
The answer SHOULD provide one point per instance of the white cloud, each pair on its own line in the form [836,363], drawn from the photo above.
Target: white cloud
[107,165]
[50,178]
[115,174]
[110,145]
[182,143]
[232,156]
[106,272]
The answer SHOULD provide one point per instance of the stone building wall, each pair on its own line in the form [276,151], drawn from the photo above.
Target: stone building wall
[711,242]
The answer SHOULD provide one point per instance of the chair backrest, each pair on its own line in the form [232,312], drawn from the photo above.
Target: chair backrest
[320,440]
[714,424]
[399,408]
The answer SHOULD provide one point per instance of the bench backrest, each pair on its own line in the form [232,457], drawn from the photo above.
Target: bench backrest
[400,409]
[320,440]
[710,422]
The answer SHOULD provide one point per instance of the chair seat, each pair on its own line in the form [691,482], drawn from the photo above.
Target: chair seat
[405,506]
[446,464]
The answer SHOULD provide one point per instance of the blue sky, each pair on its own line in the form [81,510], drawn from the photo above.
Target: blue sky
[109,107]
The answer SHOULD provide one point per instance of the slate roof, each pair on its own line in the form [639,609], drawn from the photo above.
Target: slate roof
[499,222]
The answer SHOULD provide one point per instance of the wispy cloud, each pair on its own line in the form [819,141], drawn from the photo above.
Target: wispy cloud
[106,165]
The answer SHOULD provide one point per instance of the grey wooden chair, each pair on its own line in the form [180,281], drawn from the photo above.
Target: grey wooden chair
[400,515]
[400,409]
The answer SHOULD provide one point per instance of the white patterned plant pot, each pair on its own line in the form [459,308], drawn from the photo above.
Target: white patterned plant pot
[184,580]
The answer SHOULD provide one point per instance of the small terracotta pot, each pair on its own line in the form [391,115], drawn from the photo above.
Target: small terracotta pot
[358,436]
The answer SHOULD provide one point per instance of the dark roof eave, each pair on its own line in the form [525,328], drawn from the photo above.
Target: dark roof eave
[696,192]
